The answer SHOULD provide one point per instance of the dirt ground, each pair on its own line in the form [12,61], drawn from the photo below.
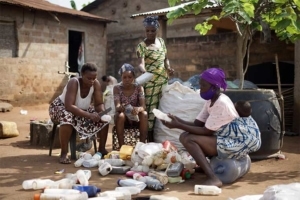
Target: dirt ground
[20,161]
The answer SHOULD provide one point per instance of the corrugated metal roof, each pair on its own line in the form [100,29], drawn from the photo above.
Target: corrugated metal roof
[169,9]
[49,7]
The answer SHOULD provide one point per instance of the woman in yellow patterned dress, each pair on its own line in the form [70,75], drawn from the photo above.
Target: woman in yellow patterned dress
[152,55]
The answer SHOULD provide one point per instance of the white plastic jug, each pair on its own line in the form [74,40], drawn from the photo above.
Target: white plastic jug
[105,169]
[113,162]
[114,194]
[90,163]
[61,191]
[46,196]
[131,189]
[82,178]
[41,184]
[207,190]
[27,184]
[144,78]
[132,182]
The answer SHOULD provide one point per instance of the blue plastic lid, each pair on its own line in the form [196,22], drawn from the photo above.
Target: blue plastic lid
[118,182]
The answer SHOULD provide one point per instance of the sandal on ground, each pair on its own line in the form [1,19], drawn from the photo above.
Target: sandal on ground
[64,160]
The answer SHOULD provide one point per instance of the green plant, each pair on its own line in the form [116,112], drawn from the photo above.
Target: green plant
[249,16]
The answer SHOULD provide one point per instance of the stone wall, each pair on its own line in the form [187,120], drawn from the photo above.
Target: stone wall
[191,55]
[32,77]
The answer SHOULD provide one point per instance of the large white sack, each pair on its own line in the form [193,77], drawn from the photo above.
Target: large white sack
[182,102]
[108,97]
[282,192]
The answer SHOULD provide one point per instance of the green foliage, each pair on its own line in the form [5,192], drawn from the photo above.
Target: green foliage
[282,16]
[73,4]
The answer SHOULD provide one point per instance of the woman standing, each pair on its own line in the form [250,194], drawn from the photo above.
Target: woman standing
[129,93]
[152,55]
[72,109]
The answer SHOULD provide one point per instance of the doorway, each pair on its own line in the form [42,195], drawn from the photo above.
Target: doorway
[76,51]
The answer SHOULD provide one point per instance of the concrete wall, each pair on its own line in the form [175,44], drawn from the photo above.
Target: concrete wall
[296,114]
[32,78]
[191,55]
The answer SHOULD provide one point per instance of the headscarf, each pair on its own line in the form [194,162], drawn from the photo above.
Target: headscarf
[215,76]
[126,67]
[151,21]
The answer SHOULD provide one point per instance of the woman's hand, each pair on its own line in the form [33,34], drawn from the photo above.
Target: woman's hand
[94,117]
[120,108]
[136,110]
[170,71]
[174,123]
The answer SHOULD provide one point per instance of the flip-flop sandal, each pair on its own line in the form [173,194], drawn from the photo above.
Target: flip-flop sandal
[65,160]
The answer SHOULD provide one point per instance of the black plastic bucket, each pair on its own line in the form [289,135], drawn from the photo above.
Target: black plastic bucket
[266,113]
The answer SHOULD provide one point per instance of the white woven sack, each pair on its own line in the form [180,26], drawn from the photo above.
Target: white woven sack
[182,102]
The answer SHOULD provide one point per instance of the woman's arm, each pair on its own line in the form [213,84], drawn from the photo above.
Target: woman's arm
[70,99]
[141,97]
[118,105]
[141,62]
[98,97]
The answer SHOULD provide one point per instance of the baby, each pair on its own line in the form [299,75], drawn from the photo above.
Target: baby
[243,108]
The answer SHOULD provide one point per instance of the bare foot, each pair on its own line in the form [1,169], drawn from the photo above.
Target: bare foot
[212,181]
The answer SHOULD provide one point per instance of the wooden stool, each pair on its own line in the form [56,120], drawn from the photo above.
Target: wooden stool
[72,142]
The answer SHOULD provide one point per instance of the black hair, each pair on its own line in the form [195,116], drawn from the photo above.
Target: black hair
[243,108]
[104,78]
[92,67]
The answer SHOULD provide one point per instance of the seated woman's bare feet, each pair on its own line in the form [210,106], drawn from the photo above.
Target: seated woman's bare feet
[64,159]
[212,181]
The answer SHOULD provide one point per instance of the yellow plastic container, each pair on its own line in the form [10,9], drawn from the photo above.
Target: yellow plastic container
[126,151]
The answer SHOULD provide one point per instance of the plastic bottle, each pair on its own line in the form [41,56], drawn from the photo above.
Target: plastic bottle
[82,177]
[128,110]
[103,198]
[61,191]
[91,190]
[90,163]
[161,176]
[185,174]
[41,184]
[131,173]
[168,146]
[161,115]
[174,169]
[27,184]
[113,194]
[132,190]
[105,169]
[87,173]
[144,78]
[139,177]
[228,170]
[126,151]
[153,184]
[112,162]
[207,190]
[82,157]
[64,183]
[162,197]
[175,179]
[120,170]
[132,182]
[45,196]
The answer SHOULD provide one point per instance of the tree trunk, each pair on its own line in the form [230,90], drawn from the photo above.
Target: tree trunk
[242,46]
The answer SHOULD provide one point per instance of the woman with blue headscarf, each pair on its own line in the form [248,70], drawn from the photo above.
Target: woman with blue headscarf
[152,55]
[129,99]
[218,130]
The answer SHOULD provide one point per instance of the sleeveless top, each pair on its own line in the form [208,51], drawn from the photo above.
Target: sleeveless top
[132,99]
[82,103]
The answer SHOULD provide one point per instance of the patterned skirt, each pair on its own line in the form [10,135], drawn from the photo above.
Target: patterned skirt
[83,126]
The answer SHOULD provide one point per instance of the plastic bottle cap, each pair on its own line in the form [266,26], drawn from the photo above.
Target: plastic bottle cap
[188,175]
[118,182]
[36,196]
[98,190]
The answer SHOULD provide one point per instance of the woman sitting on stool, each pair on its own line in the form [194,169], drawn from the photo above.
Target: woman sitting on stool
[72,109]
[129,94]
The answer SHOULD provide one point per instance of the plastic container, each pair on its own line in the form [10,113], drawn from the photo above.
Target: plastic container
[185,174]
[174,169]
[87,173]
[131,173]
[82,177]
[82,156]
[144,78]
[90,163]
[45,196]
[112,162]
[64,183]
[132,182]
[153,184]
[103,198]
[27,184]
[161,176]
[114,194]
[168,146]
[126,151]
[120,170]
[112,155]
[97,156]
[162,197]
[78,163]
[41,184]
[176,179]
[61,191]
[139,177]
[229,170]
[132,190]
[91,190]
[161,115]
[207,190]
[128,110]
[105,169]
